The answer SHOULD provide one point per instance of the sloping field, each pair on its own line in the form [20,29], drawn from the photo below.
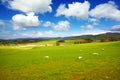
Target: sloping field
[99,61]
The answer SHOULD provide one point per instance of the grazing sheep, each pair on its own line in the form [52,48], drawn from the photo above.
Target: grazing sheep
[95,53]
[80,50]
[47,57]
[79,57]
[107,77]
[103,49]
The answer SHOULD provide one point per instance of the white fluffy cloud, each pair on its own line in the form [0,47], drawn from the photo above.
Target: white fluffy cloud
[1,22]
[48,24]
[62,25]
[87,27]
[115,28]
[35,34]
[37,6]
[49,33]
[107,10]
[93,20]
[21,21]
[77,10]
[31,35]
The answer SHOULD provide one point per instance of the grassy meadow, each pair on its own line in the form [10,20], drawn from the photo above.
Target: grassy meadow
[29,63]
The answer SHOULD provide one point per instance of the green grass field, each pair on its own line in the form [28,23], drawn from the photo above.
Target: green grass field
[31,64]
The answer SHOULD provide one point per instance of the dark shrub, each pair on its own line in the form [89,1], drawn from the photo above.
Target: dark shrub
[88,40]
[61,41]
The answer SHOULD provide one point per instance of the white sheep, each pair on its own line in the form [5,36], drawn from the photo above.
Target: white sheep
[107,77]
[79,57]
[103,49]
[47,57]
[80,50]
[95,53]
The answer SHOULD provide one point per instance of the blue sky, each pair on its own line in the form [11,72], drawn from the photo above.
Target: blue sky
[57,18]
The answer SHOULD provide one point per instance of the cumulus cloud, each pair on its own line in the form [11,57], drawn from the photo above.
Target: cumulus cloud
[37,6]
[87,27]
[76,9]
[1,22]
[2,27]
[94,32]
[4,1]
[95,23]
[48,24]
[107,10]
[34,34]
[21,21]
[49,33]
[5,26]
[115,28]
[93,20]
[62,25]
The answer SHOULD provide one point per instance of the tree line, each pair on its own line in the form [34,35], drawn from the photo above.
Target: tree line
[58,42]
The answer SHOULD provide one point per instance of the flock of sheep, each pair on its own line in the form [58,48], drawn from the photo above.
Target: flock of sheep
[79,57]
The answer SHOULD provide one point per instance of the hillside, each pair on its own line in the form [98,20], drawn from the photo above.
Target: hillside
[100,61]
[96,37]
[105,36]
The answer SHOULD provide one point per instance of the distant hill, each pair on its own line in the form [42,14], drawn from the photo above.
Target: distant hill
[95,37]
[105,36]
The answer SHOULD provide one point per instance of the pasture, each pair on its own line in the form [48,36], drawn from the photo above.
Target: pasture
[99,61]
